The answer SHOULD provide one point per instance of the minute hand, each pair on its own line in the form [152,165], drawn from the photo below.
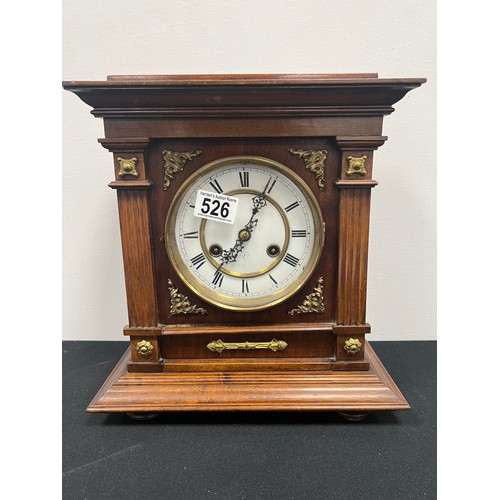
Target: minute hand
[230,255]
[259,202]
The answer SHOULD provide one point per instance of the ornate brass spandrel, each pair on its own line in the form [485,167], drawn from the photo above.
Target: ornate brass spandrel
[315,162]
[144,348]
[175,161]
[180,304]
[220,346]
[313,303]
[127,166]
[352,346]
[356,165]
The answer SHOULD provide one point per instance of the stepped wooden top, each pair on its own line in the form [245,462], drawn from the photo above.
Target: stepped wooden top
[244,79]
[309,94]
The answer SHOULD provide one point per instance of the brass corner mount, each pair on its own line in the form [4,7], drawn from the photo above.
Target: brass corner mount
[175,161]
[180,304]
[313,303]
[314,161]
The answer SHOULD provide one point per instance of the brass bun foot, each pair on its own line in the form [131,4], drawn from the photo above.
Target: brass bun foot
[142,415]
[353,416]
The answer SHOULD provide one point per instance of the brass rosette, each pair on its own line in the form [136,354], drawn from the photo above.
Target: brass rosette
[352,346]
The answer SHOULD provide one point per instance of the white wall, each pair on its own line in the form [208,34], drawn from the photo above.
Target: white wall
[390,37]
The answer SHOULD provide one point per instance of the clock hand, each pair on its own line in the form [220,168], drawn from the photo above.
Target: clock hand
[244,234]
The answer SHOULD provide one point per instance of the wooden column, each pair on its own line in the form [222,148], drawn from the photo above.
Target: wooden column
[354,186]
[133,191]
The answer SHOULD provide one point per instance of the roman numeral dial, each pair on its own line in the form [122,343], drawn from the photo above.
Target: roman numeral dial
[293,205]
[198,260]
[265,253]
[216,186]
[291,260]
[244,179]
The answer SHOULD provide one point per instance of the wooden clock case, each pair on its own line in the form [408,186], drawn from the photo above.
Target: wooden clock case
[325,128]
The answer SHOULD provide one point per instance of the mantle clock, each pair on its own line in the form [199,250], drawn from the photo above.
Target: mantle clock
[244,205]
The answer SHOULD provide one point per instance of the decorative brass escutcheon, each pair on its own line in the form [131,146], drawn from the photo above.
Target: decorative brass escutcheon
[314,161]
[352,346]
[356,165]
[127,166]
[144,348]
[219,346]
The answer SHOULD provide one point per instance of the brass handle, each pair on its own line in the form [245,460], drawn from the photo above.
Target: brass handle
[219,346]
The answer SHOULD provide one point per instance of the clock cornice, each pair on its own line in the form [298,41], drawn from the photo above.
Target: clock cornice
[243,95]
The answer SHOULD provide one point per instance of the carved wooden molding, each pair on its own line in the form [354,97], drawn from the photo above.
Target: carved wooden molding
[360,143]
[142,330]
[311,390]
[352,329]
[356,183]
[122,144]
[145,184]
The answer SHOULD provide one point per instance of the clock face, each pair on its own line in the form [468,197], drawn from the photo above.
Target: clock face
[244,233]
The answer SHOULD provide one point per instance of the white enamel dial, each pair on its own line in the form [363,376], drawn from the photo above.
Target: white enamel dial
[266,255]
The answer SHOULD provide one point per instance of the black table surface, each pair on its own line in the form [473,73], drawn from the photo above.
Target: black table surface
[289,455]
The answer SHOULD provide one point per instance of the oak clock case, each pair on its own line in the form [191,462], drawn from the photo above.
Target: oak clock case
[244,214]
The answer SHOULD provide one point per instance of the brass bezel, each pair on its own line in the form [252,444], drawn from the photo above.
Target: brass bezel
[243,303]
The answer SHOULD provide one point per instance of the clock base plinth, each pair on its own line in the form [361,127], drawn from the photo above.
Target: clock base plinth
[349,392]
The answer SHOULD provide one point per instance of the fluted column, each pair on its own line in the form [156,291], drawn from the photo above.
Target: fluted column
[133,191]
[354,187]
